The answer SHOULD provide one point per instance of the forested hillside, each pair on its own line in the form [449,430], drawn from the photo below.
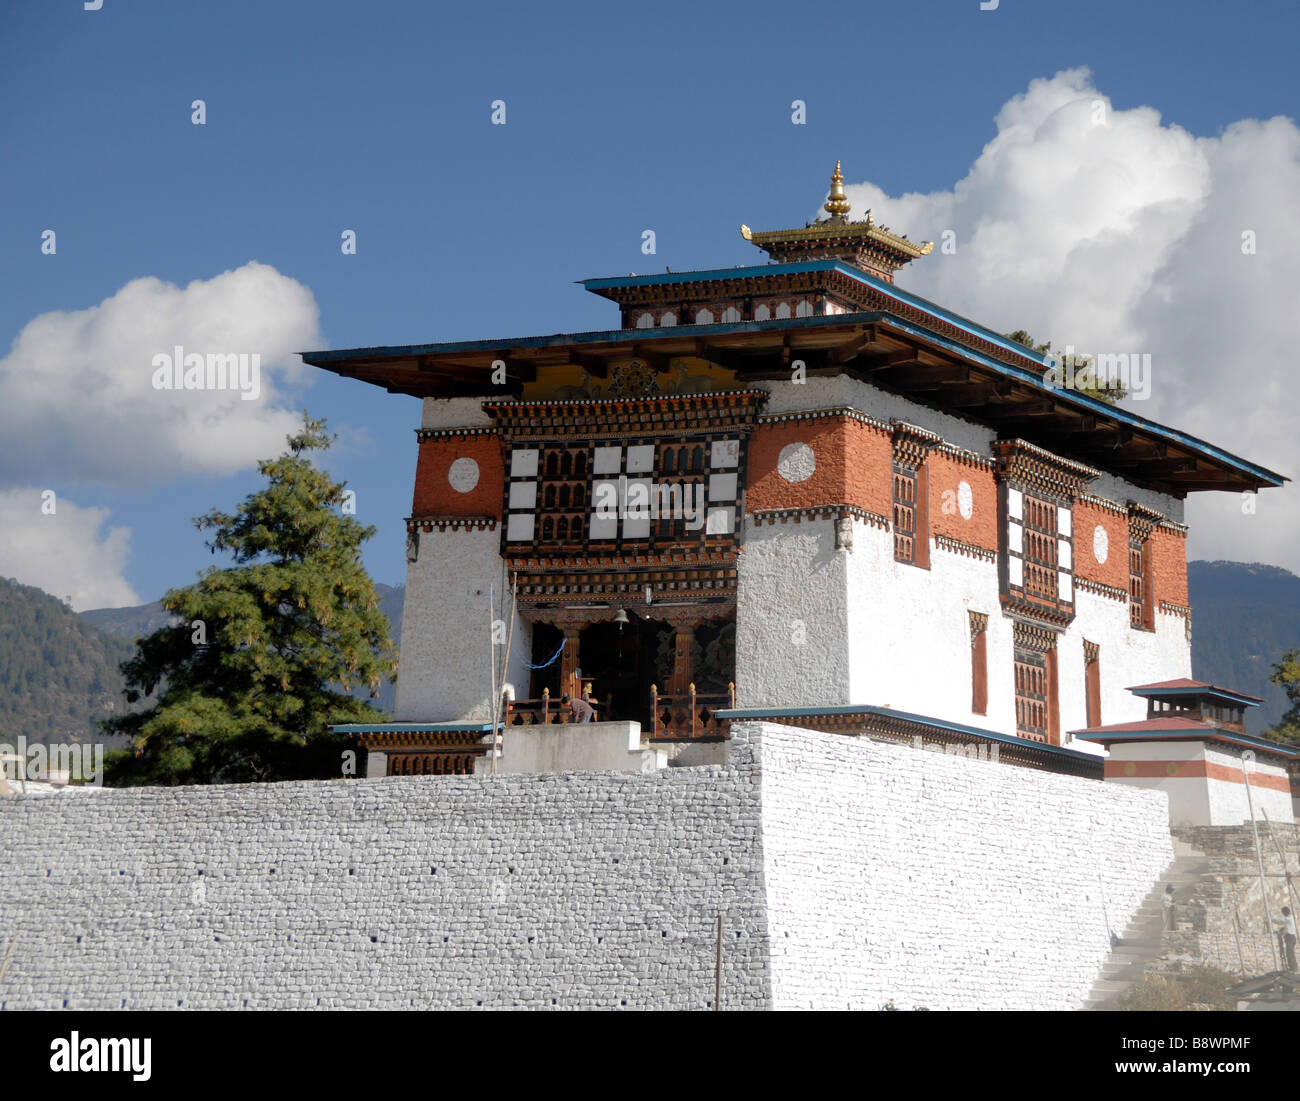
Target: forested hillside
[58,673]
[1244,617]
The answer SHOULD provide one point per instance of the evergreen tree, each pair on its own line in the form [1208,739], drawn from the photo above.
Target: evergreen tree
[258,669]
[1111,394]
[1287,674]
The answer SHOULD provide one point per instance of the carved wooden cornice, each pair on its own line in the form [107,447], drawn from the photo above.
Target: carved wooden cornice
[687,414]
[1088,585]
[912,443]
[423,434]
[625,585]
[1033,636]
[971,550]
[964,456]
[843,411]
[1142,520]
[1027,466]
[454,523]
[817,512]
[1102,503]
[579,618]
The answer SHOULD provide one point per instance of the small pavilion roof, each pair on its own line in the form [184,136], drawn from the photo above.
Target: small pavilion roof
[1183,686]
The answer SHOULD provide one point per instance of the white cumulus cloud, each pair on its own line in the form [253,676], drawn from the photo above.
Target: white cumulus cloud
[77,398]
[65,549]
[1114,231]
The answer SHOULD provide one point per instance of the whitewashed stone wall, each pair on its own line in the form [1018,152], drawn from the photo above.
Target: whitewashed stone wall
[849,872]
[792,617]
[1127,657]
[909,632]
[446,653]
[579,890]
[944,882]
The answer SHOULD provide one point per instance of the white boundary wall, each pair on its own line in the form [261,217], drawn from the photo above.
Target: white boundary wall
[850,873]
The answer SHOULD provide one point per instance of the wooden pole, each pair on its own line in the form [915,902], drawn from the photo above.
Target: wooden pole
[1246,757]
[717,971]
[1236,929]
[497,737]
[492,673]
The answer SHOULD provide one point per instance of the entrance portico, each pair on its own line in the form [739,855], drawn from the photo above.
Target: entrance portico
[650,664]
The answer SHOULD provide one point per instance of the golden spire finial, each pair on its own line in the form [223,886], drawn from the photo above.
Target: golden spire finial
[837,204]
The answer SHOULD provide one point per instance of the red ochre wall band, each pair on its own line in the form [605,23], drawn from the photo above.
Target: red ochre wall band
[435,493]
[947,473]
[1191,770]
[853,466]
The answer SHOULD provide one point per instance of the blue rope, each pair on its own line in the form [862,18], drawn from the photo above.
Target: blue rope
[545,664]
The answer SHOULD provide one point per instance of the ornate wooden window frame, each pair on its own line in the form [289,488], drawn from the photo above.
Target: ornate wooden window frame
[1036,495]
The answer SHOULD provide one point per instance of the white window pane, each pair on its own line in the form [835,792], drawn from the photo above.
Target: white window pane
[523,463]
[724,454]
[721,521]
[519,528]
[604,527]
[607,460]
[641,459]
[722,487]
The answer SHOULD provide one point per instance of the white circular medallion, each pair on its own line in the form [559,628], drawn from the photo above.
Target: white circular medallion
[796,462]
[463,475]
[1100,544]
[965,500]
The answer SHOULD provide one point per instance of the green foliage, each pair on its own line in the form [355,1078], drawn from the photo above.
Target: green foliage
[1199,987]
[1286,674]
[1111,395]
[58,674]
[287,632]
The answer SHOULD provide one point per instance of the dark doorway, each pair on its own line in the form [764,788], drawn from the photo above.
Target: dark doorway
[547,640]
[619,659]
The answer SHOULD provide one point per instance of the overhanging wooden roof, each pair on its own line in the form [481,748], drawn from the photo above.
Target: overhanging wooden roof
[998,385]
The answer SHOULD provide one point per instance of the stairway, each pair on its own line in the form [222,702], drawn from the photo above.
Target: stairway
[1142,942]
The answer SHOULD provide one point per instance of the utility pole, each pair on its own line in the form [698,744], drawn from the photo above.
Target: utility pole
[1246,757]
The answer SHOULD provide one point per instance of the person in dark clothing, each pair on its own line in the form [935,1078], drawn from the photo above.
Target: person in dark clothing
[584,711]
[1287,935]
[1167,902]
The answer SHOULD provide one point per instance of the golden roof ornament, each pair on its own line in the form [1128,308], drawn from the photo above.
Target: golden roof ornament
[865,244]
[837,203]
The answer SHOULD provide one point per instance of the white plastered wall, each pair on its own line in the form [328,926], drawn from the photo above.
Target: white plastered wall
[791,617]
[446,654]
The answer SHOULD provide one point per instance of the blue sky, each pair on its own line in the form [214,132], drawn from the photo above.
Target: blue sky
[327,116]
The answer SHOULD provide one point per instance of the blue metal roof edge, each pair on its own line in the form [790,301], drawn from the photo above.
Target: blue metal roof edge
[408,728]
[1191,732]
[743,713]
